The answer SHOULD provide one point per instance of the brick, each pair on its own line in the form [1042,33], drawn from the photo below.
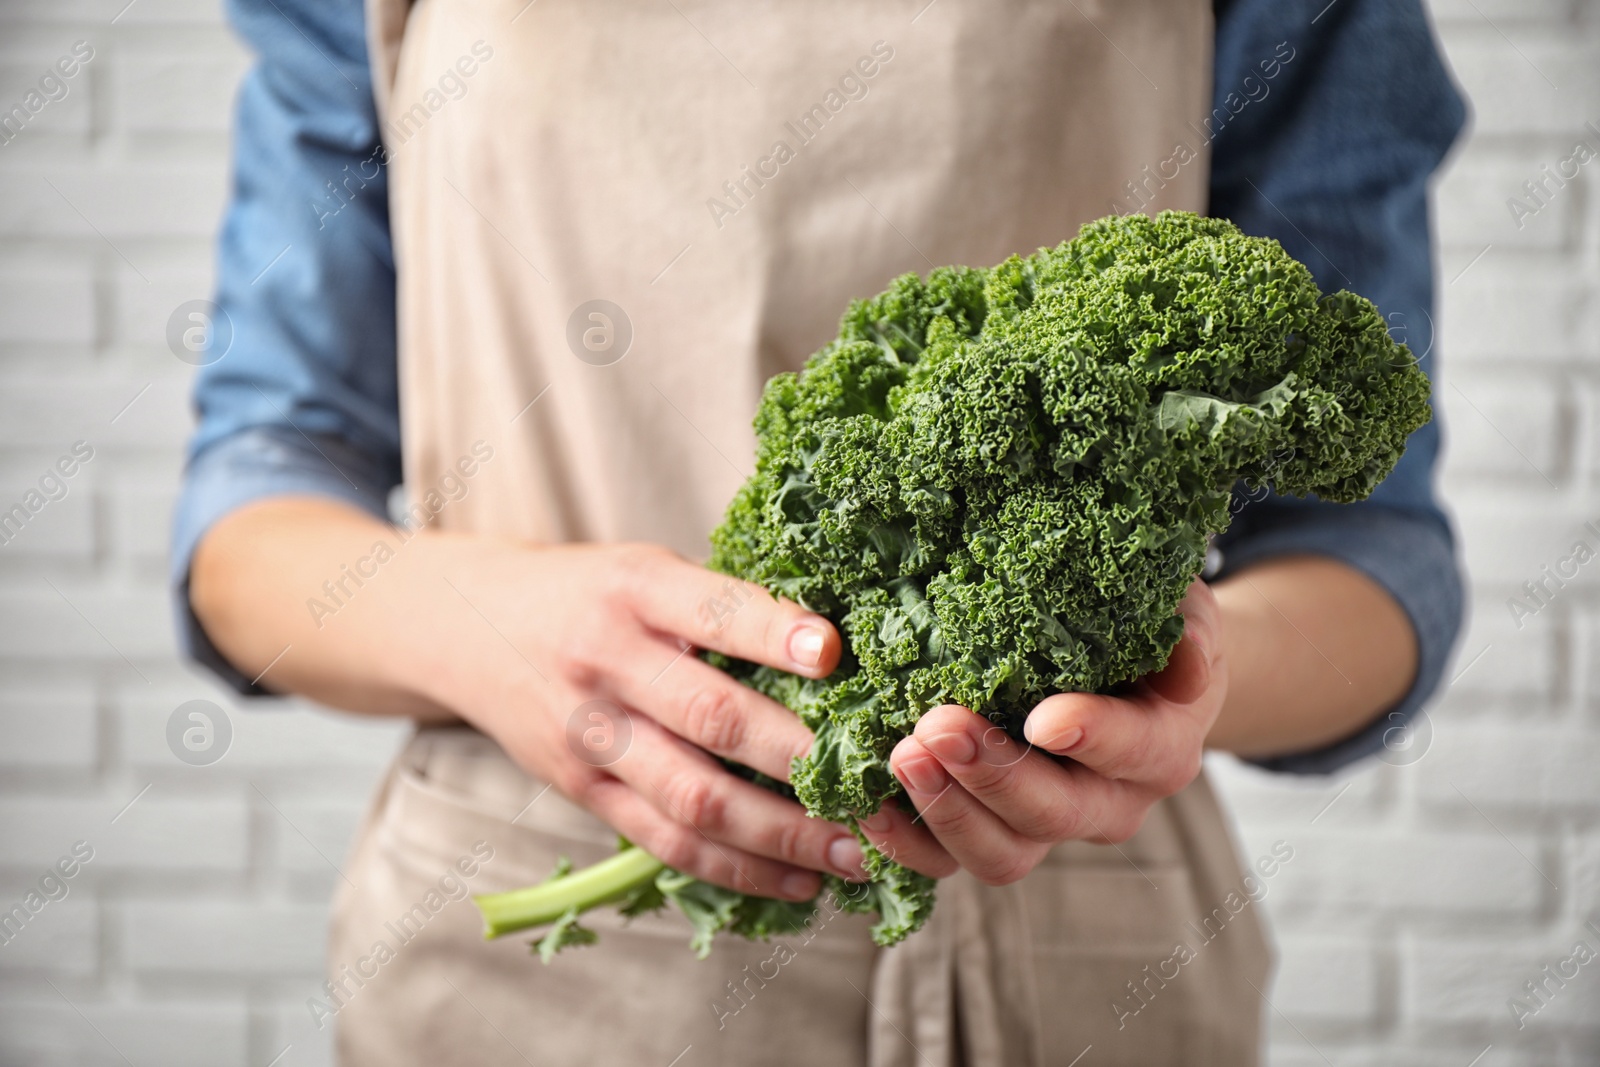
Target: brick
[1528,768]
[209,832]
[69,115]
[63,937]
[1254,794]
[1381,870]
[1472,212]
[274,736]
[144,308]
[53,307]
[312,838]
[1590,458]
[1453,1049]
[1323,980]
[130,201]
[1505,428]
[1471,13]
[177,94]
[87,13]
[1453,982]
[50,1033]
[1495,658]
[141,519]
[233,938]
[49,728]
[291,1025]
[1511,317]
[132,410]
[1506,78]
[61,529]
[1581,878]
[1510,534]
[1587,646]
[37,622]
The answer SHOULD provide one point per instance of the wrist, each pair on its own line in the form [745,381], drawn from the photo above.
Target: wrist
[426,644]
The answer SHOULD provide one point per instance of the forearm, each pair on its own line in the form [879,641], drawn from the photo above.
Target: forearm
[1316,650]
[279,589]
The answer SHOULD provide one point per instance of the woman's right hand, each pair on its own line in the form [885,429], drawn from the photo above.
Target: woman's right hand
[578,659]
[582,667]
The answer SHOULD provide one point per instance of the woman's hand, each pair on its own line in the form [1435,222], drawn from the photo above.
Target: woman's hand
[592,684]
[577,659]
[1091,770]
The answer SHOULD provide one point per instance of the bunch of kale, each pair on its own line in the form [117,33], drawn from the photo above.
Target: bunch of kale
[999,483]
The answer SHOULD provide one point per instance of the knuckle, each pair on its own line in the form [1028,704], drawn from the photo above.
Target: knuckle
[722,605]
[1123,828]
[1004,871]
[581,654]
[638,557]
[1182,771]
[775,631]
[952,820]
[632,567]
[714,721]
[1049,828]
[1066,823]
[695,801]
[677,849]
[1129,757]
[578,667]
[789,843]
[578,783]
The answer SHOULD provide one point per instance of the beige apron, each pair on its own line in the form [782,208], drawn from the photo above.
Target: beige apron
[727,176]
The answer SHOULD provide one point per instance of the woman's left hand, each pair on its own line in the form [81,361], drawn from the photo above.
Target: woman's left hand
[1091,770]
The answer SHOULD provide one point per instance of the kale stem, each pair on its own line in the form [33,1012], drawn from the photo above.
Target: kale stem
[537,905]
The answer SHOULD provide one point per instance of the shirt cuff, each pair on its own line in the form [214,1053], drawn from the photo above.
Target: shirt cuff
[1410,554]
[245,467]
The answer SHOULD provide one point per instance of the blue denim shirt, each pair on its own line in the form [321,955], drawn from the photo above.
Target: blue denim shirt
[1328,122]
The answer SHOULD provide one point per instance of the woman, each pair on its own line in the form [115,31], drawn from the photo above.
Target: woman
[546,274]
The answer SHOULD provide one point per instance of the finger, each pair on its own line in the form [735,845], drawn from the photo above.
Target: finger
[975,836]
[1137,739]
[907,842]
[1018,783]
[711,710]
[736,618]
[691,788]
[684,849]
[1188,670]
[1041,799]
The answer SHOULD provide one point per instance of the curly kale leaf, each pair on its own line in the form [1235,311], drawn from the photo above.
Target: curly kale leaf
[566,933]
[999,483]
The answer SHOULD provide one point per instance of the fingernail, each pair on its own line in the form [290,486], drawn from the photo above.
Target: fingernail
[924,775]
[1059,743]
[798,886]
[952,748]
[878,822]
[805,646]
[845,856]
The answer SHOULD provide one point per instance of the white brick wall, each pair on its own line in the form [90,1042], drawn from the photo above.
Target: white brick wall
[1418,903]
[194,935]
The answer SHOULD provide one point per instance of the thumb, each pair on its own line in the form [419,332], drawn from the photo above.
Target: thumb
[1188,672]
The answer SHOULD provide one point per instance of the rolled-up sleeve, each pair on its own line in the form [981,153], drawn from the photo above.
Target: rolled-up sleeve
[301,398]
[1331,120]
